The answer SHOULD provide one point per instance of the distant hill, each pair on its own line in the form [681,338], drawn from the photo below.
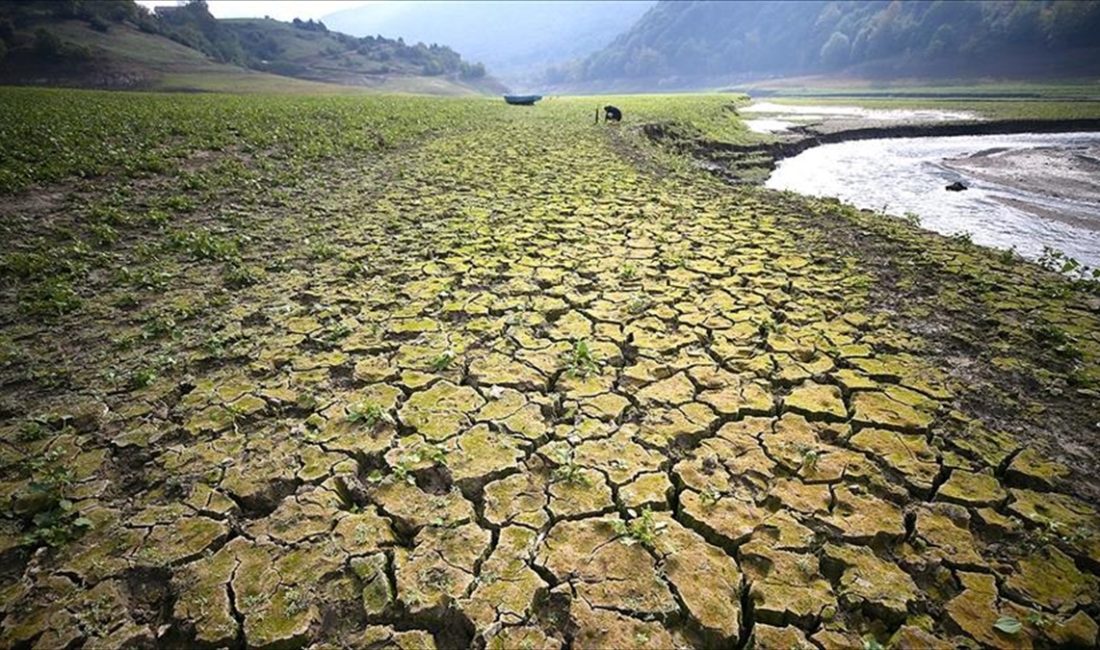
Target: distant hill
[515,40]
[687,44]
[119,44]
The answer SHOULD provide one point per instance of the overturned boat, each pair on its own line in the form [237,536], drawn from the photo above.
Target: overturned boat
[522,100]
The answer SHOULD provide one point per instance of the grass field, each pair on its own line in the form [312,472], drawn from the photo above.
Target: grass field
[402,372]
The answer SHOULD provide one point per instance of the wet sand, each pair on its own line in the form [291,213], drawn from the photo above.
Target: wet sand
[1069,174]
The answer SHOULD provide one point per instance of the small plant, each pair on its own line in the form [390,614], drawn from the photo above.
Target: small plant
[201,244]
[1008,625]
[911,218]
[158,326]
[643,529]
[402,471]
[567,470]
[104,235]
[443,361]
[710,496]
[809,456]
[32,431]
[51,297]
[966,238]
[322,250]
[238,275]
[143,377]
[582,362]
[871,643]
[628,272]
[637,305]
[55,520]
[296,601]
[369,414]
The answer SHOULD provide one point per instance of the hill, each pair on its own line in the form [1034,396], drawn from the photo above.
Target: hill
[684,44]
[119,44]
[516,40]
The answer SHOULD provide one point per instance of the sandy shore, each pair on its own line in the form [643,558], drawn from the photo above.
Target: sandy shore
[1070,176]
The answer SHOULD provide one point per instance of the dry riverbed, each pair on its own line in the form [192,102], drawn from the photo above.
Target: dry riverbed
[503,379]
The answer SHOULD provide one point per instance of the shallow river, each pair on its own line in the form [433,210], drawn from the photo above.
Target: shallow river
[1027,190]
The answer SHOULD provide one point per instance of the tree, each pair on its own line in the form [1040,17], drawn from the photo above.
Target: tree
[835,51]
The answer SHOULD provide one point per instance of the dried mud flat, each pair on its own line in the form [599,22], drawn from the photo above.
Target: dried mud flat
[507,386]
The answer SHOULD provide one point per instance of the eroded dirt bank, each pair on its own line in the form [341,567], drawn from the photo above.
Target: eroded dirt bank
[521,385]
[751,163]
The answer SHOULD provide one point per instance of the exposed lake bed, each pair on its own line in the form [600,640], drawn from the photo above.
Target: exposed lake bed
[1025,191]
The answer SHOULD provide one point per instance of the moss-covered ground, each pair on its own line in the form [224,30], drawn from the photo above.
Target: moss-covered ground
[407,373]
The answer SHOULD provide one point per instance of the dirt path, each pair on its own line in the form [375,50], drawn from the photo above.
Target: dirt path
[514,389]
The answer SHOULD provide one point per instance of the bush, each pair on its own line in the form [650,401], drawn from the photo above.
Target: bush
[99,24]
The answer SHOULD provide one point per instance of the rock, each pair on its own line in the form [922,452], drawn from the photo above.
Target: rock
[519,498]
[713,603]
[1077,631]
[439,570]
[787,588]
[600,629]
[506,589]
[442,411]
[1030,469]
[878,409]
[908,455]
[480,455]
[862,517]
[1050,579]
[975,612]
[817,402]
[769,636]
[871,583]
[971,489]
[377,593]
[605,572]
[957,186]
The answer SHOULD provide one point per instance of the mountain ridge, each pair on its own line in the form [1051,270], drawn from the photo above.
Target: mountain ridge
[700,43]
[121,45]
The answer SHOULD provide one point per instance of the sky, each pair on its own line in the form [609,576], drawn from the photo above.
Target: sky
[279,9]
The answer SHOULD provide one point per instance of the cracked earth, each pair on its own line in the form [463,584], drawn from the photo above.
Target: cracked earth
[504,387]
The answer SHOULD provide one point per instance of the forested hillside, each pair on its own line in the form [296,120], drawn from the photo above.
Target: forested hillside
[117,43]
[692,40]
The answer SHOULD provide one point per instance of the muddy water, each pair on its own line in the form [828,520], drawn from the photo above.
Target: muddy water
[1026,190]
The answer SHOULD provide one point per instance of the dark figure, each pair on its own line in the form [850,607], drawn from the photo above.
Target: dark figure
[612,114]
[956,187]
